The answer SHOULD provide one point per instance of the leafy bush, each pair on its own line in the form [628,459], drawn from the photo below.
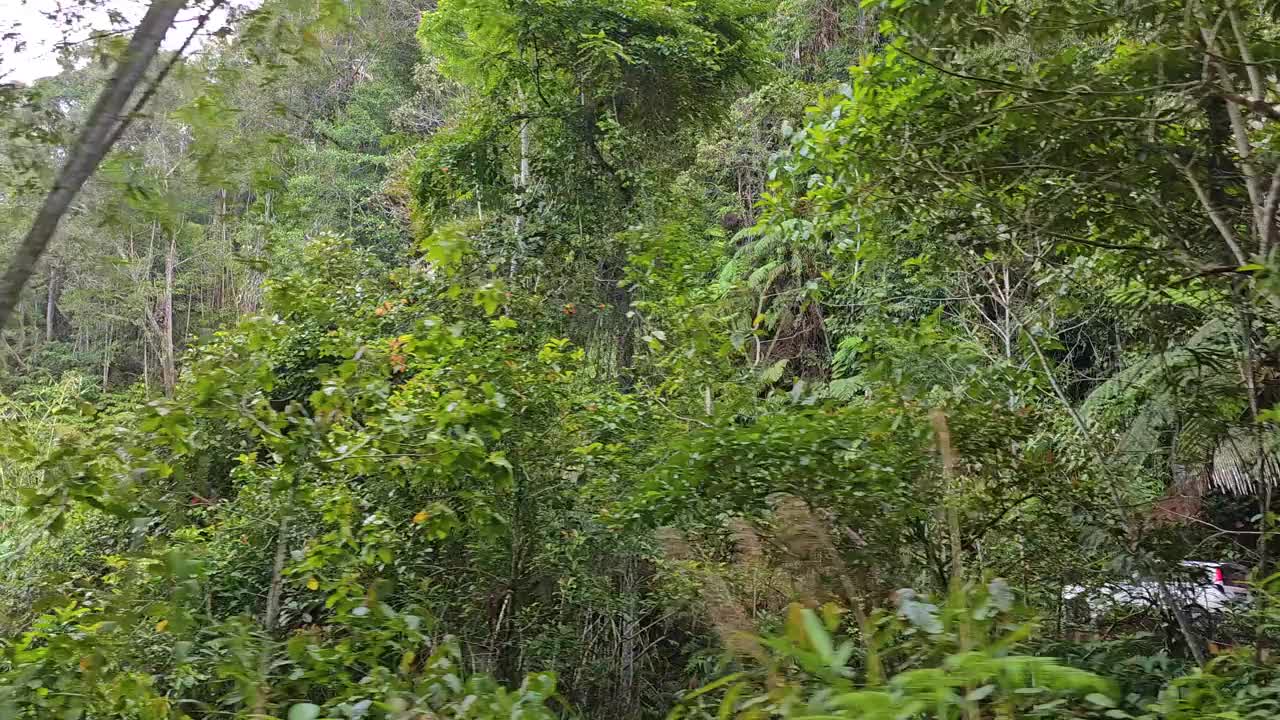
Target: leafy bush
[957,660]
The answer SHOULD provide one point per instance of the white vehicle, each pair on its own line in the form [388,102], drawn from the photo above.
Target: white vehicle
[1201,589]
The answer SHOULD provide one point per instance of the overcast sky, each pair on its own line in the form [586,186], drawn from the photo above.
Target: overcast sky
[30,19]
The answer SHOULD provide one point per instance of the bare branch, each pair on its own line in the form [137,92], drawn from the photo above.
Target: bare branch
[1256,105]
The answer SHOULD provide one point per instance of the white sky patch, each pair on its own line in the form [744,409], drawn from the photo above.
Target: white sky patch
[44,25]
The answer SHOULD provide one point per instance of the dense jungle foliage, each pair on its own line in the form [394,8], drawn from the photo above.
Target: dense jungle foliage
[647,358]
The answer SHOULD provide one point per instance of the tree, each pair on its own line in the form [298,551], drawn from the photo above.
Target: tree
[105,123]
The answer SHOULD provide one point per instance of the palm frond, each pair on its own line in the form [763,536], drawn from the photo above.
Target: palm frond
[1244,463]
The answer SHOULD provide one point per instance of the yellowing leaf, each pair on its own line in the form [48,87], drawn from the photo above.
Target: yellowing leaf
[313,584]
[421,517]
[162,625]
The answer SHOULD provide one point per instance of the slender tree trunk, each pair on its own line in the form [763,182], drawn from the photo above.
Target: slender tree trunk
[224,275]
[106,359]
[626,353]
[51,302]
[522,189]
[271,616]
[942,434]
[168,367]
[249,296]
[100,133]
[629,642]
[275,594]
[22,329]
[950,514]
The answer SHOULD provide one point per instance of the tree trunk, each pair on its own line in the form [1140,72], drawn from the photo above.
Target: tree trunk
[629,642]
[146,365]
[271,617]
[522,189]
[51,302]
[106,359]
[168,362]
[224,276]
[249,295]
[626,352]
[949,515]
[275,595]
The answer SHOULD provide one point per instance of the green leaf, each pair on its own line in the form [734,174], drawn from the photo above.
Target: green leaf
[980,693]
[712,686]
[730,701]
[818,637]
[304,711]
[1100,700]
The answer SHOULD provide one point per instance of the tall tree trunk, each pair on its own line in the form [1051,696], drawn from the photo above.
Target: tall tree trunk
[152,331]
[224,276]
[51,302]
[249,295]
[106,358]
[628,587]
[949,515]
[146,365]
[101,131]
[169,368]
[22,329]
[522,189]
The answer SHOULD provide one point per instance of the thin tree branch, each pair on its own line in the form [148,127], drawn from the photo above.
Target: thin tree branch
[1242,42]
[164,73]
[1257,105]
[1224,228]
[1239,130]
